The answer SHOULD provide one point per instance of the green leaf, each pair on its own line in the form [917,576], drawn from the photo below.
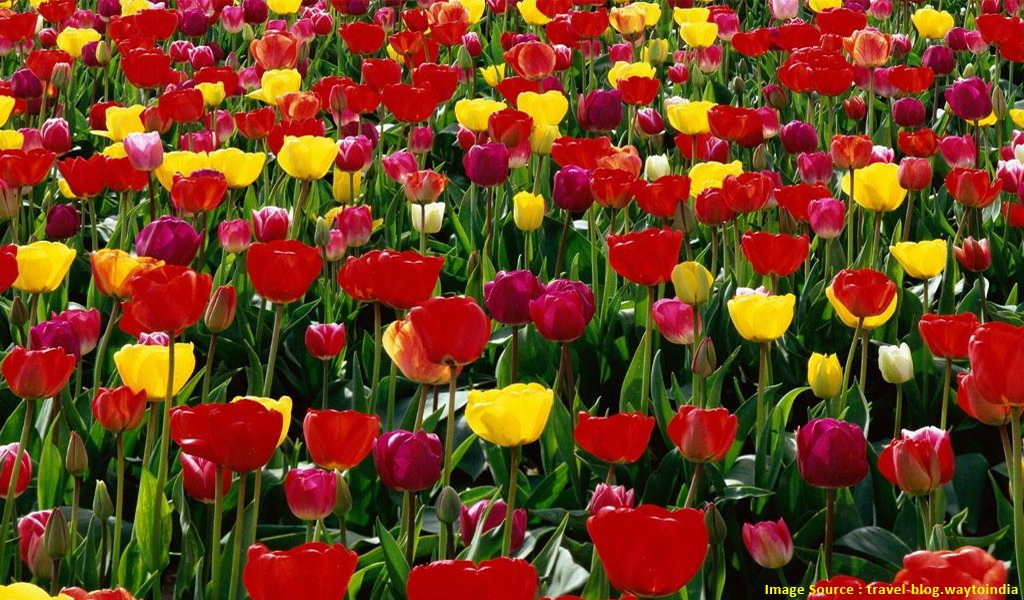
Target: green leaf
[51,471]
[154,543]
[632,383]
[877,543]
[394,557]
[545,561]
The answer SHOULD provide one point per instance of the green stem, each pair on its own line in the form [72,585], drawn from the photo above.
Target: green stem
[377,346]
[101,350]
[275,341]
[899,412]
[209,367]
[945,393]
[645,379]
[10,501]
[691,494]
[115,559]
[562,243]
[513,483]
[409,504]
[1018,493]
[300,205]
[165,443]
[449,437]
[392,381]
[324,373]
[218,517]
[236,552]
[762,384]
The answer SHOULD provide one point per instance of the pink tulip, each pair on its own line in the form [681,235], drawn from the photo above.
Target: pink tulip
[310,493]
[769,543]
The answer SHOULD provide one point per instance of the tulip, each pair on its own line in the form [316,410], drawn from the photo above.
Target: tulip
[692,283]
[474,114]
[914,174]
[563,311]
[307,157]
[9,455]
[31,529]
[970,99]
[614,496]
[240,436]
[973,255]
[54,334]
[600,110]
[235,235]
[62,222]
[645,257]
[690,118]
[199,478]
[403,346]
[282,271]
[775,255]
[824,375]
[761,318]
[118,409]
[620,438]
[878,190]
[169,239]
[798,137]
[143,368]
[454,331]
[868,47]
[921,260]
[487,164]
[918,462]
[310,493]
[470,521]
[508,297]
[112,270]
[831,454]
[339,440]
[967,566]
[931,23]
[406,461]
[166,299]
[703,435]
[972,187]
[489,412]
[507,578]
[977,407]
[959,151]
[769,543]
[396,279]
[947,336]
[649,551]
[862,294]
[42,266]
[424,187]
[676,320]
[826,217]
[311,570]
[145,151]
[324,341]
[37,374]
[814,167]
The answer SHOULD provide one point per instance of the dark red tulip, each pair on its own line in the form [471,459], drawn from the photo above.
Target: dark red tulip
[703,435]
[167,299]
[947,336]
[496,579]
[645,257]
[864,292]
[339,440]
[508,296]
[311,570]
[509,127]
[397,279]
[239,436]
[831,453]
[283,270]
[620,438]
[775,255]
[711,207]
[453,330]
[199,476]
[407,461]
[146,68]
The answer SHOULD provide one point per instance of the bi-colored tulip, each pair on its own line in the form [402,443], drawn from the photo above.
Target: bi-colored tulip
[918,462]
[769,543]
[703,435]
[310,493]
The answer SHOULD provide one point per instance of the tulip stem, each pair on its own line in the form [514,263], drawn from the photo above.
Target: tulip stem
[515,354]
[850,233]
[410,526]
[218,509]
[945,393]
[876,235]
[691,494]
[101,350]
[830,524]
[645,378]
[209,367]
[847,368]
[375,377]
[9,499]
[421,408]
[300,206]
[562,243]
[275,341]
[1018,493]
[449,437]
[165,445]
[392,381]
[115,558]
[927,519]
[236,561]
[865,337]
[899,411]
[762,383]
[907,218]
[513,484]
[324,374]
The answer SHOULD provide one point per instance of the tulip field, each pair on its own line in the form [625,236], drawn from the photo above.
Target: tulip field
[499,300]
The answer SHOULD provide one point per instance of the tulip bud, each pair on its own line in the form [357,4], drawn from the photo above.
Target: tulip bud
[56,135]
[656,166]
[57,537]
[473,262]
[19,312]
[615,496]
[321,236]
[855,108]
[968,71]
[61,75]
[657,51]
[998,102]
[103,53]
[248,34]
[715,524]
[705,361]
[775,96]
[759,160]
[62,222]
[896,363]
[220,312]
[769,543]
[427,218]
[974,255]
[102,506]
[824,375]
[465,58]
[448,505]
[342,498]
[76,459]
[311,493]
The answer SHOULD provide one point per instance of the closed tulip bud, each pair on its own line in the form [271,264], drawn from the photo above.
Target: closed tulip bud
[56,135]
[759,160]
[320,233]
[427,218]
[974,255]
[914,173]
[102,506]
[421,140]
[270,223]
[775,96]
[705,360]
[234,236]
[998,102]
[528,211]
[769,543]
[918,462]
[827,217]
[62,222]
[855,108]
[909,112]
[824,375]
[61,75]
[676,320]
[324,341]
[76,459]
[470,520]
[103,53]
[896,363]
[220,312]
[692,283]
[715,524]
[737,85]
[656,166]
[19,312]
[342,497]
[448,505]
[57,537]
[356,224]
[614,496]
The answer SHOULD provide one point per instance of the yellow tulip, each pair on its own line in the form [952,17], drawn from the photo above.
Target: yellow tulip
[115,150]
[851,321]
[921,260]
[624,70]
[542,138]
[493,74]
[344,189]
[652,12]
[824,375]
[988,121]
[690,118]
[531,14]
[528,211]
[276,83]
[512,416]
[690,15]
[42,266]
[64,188]
[284,7]
[473,114]
[932,24]
[27,591]
[876,187]
[692,282]
[711,174]
[130,7]
[1016,114]
[283,406]
[123,120]
[213,92]
[72,39]
[629,20]
[11,139]
[180,162]
[475,8]
[144,368]
[698,35]
[820,5]
[6,108]
[240,168]
[760,318]
[307,157]
[548,108]
[655,52]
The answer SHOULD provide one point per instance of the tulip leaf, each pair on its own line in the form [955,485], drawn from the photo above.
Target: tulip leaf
[394,557]
[545,561]
[51,473]
[632,383]
[153,541]
[877,543]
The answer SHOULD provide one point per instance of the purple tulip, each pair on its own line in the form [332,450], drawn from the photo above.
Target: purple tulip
[62,222]
[571,189]
[939,59]
[25,84]
[145,151]
[406,461]
[193,22]
[86,325]
[826,216]
[487,164]
[54,334]
[169,239]
[831,453]
[970,99]
[56,136]
[798,137]
[310,493]
[562,312]
[814,167]
[508,296]
[615,496]
[908,112]
[469,521]
[255,11]
[600,110]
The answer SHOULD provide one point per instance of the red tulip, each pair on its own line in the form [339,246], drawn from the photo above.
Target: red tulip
[239,436]
[324,341]
[963,568]
[339,440]
[275,50]
[496,579]
[410,104]
[645,257]
[947,336]
[831,454]
[918,462]
[776,255]
[200,191]
[283,270]
[736,124]
[312,570]
[641,91]
[256,124]
[118,409]
[8,454]
[531,60]
[120,176]
[864,292]
[379,73]
[996,352]
[36,374]
[509,127]
[747,192]
[979,408]
[921,143]
[620,438]
[562,312]
[25,168]
[711,208]
[167,299]
[182,106]
[703,435]
[453,330]
[649,551]
[973,255]
[396,279]
[850,151]
[613,188]
[362,38]
[972,187]
[146,68]
[84,176]
[663,196]
[199,476]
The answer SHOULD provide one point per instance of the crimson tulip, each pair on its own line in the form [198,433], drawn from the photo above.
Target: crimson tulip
[947,336]
[239,436]
[199,476]
[397,279]
[508,296]
[496,579]
[37,374]
[736,124]
[775,255]
[620,438]
[645,257]
[283,270]
[918,462]
[562,312]
[311,493]
[362,38]
[972,187]
[663,196]
[470,518]
[410,104]
[703,435]
[407,461]
[324,341]
[649,551]
[167,299]
[8,454]
[118,409]
[339,440]
[311,570]
[454,330]
[747,192]
[970,99]
[831,453]
[973,255]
